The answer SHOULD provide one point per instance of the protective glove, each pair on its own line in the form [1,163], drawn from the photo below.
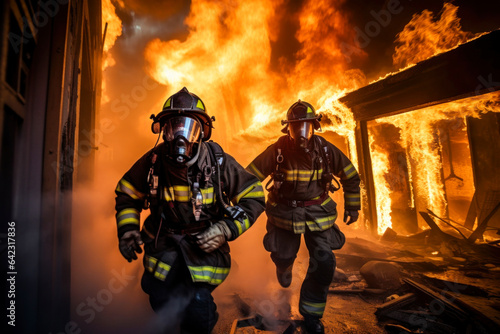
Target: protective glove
[213,237]
[129,244]
[352,215]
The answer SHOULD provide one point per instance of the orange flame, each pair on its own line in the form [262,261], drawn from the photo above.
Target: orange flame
[424,37]
[380,166]
[113,31]
[418,137]
[226,59]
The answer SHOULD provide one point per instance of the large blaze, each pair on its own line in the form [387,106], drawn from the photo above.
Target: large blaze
[227,59]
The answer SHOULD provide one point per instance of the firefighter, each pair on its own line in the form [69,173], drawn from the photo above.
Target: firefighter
[189,184]
[303,167]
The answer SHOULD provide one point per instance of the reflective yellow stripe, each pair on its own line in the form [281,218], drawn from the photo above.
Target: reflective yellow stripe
[242,226]
[209,274]
[253,191]
[127,188]
[127,221]
[328,199]
[167,103]
[349,171]
[159,268]
[128,216]
[200,105]
[127,211]
[312,308]
[303,175]
[256,171]
[320,224]
[150,263]
[180,193]
[208,195]
[352,199]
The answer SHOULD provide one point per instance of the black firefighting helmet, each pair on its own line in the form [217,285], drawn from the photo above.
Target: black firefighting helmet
[301,111]
[184,103]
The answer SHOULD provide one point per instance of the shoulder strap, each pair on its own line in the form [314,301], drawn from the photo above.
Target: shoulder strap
[217,158]
[216,152]
[328,176]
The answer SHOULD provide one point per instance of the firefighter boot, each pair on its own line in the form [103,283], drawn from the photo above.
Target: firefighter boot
[284,275]
[313,325]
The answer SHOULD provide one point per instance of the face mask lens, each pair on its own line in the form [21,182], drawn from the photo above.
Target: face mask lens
[182,126]
[301,130]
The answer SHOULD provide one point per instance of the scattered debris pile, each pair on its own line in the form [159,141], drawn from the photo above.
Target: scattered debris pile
[436,281]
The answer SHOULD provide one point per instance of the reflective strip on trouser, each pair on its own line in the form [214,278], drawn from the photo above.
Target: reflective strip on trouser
[315,309]
[208,274]
[157,268]
[314,289]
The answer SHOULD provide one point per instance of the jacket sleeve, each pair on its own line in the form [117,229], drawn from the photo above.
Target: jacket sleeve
[131,192]
[343,168]
[264,164]
[245,191]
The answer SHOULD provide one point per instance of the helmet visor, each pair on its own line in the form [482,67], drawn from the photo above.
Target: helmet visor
[182,126]
[301,130]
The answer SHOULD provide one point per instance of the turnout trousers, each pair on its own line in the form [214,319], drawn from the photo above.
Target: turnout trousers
[183,306]
[284,245]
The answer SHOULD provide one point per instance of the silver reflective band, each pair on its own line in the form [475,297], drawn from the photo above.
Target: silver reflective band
[184,126]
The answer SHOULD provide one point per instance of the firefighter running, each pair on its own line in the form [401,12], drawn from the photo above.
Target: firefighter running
[303,167]
[187,183]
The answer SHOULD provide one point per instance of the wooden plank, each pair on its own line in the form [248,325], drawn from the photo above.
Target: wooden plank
[432,224]
[492,325]
[396,304]
[478,232]
[366,174]
[452,309]
[429,82]
[471,213]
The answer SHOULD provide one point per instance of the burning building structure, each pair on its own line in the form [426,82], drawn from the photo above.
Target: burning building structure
[435,128]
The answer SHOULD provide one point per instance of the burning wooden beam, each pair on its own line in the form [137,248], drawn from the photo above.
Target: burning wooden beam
[470,69]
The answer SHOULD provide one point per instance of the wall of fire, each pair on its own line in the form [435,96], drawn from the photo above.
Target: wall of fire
[50,73]
[428,138]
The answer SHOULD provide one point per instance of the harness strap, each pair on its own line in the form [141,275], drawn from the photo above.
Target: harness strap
[189,229]
[296,203]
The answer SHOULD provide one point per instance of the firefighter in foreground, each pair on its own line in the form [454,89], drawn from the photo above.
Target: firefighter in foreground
[187,183]
[302,168]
